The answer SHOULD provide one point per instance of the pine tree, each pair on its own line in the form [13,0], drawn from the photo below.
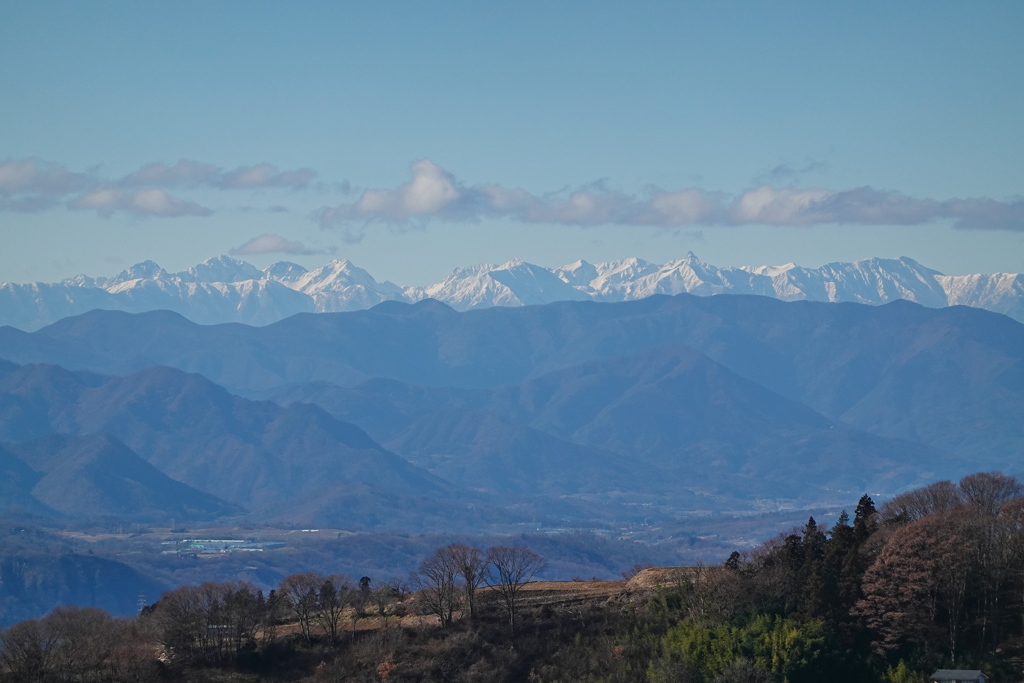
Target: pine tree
[838,546]
[864,520]
[810,596]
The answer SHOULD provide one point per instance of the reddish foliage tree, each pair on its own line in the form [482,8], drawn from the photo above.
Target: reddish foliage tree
[919,576]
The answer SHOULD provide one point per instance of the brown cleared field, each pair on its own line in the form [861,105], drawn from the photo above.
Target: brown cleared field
[562,593]
[536,594]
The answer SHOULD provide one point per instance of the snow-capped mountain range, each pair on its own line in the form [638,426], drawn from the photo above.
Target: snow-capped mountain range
[224,289]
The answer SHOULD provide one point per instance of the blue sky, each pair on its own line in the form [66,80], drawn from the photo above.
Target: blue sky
[414,137]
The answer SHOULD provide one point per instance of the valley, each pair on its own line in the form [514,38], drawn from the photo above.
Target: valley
[675,428]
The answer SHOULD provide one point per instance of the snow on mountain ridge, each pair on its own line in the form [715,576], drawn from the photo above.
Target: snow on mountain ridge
[340,285]
[224,289]
[220,269]
[515,283]
[285,272]
[147,270]
[604,279]
[999,292]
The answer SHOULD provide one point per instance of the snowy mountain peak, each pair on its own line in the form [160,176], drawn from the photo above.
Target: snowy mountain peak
[224,289]
[770,271]
[578,273]
[879,280]
[515,283]
[284,272]
[626,268]
[221,269]
[83,281]
[914,264]
[336,273]
[146,270]
[576,265]
[514,263]
[340,285]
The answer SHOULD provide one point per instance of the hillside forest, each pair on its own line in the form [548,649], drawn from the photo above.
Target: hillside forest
[932,578]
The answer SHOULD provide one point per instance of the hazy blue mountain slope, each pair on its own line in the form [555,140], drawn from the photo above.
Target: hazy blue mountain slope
[650,402]
[958,384]
[942,377]
[251,453]
[16,482]
[383,407]
[97,476]
[37,573]
[479,449]
[674,418]
[902,370]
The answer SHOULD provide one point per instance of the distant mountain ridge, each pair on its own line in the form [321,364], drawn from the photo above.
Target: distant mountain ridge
[677,383]
[162,444]
[224,289]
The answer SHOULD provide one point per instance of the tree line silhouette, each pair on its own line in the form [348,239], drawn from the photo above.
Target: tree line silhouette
[933,578]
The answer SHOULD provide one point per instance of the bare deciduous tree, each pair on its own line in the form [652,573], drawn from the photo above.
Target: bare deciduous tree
[132,659]
[71,644]
[211,621]
[86,636]
[512,568]
[383,597]
[988,491]
[472,566]
[299,591]
[27,650]
[707,593]
[334,594]
[436,579]
[995,541]
[241,614]
[181,622]
[911,506]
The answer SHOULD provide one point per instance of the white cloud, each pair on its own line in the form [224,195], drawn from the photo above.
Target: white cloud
[149,202]
[187,172]
[433,192]
[982,213]
[184,172]
[28,178]
[273,244]
[29,185]
[770,206]
[264,175]
[101,200]
[685,207]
